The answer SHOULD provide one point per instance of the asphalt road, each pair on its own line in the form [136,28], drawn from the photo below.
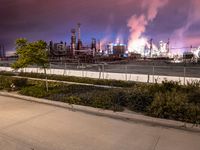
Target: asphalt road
[164,70]
[32,126]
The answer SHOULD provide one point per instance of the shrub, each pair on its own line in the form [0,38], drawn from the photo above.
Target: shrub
[106,100]
[5,83]
[72,100]
[192,86]
[19,83]
[164,86]
[170,85]
[34,91]
[5,73]
[193,112]
[168,105]
[139,100]
[100,98]
[194,96]
[173,105]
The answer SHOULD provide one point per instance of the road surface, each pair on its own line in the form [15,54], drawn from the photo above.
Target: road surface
[162,70]
[32,126]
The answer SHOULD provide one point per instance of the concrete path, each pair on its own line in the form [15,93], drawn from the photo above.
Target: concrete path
[31,126]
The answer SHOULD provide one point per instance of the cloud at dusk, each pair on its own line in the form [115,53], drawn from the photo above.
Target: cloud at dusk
[106,19]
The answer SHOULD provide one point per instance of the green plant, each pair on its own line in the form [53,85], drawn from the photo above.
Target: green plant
[5,83]
[194,96]
[19,83]
[139,100]
[6,73]
[72,100]
[174,105]
[34,91]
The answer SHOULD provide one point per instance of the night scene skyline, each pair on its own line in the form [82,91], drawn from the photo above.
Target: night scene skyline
[106,20]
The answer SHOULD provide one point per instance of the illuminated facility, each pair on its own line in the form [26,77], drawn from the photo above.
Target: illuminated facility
[141,48]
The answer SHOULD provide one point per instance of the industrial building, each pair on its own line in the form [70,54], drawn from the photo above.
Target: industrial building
[76,51]
[73,51]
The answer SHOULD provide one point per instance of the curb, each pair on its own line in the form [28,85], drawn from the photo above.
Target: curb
[136,118]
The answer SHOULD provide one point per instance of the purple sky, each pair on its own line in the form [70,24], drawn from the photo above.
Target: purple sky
[52,20]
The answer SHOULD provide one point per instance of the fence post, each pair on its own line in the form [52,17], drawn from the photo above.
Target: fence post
[126,72]
[148,78]
[184,70]
[153,74]
[50,68]
[100,70]
[103,70]
[64,69]
[82,70]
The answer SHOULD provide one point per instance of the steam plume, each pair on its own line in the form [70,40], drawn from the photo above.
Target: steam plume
[193,17]
[138,24]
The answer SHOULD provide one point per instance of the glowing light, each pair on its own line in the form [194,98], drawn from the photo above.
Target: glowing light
[137,45]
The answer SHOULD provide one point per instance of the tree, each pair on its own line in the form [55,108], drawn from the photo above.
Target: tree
[31,53]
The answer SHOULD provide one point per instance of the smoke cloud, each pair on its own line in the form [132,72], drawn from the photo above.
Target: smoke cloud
[137,23]
[181,34]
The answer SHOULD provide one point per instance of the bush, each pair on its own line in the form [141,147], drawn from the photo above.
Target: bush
[72,100]
[194,96]
[106,100]
[163,87]
[5,83]
[34,91]
[170,86]
[98,98]
[5,73]
[19,83]
[174,105]
[139,100]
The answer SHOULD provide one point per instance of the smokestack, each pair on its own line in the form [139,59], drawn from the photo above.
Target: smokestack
[79,31]
[79,45]
[94,46]
[73,41]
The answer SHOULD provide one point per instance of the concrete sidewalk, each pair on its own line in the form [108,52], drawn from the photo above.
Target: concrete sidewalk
[133,117]
[29,125]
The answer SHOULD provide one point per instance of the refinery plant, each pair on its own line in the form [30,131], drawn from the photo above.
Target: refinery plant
[97,52]
[75,51]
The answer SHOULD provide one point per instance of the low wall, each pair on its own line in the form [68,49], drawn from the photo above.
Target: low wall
[108,75]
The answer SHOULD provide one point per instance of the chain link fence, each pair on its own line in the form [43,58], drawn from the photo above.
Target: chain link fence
[125,72]
[128,72]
